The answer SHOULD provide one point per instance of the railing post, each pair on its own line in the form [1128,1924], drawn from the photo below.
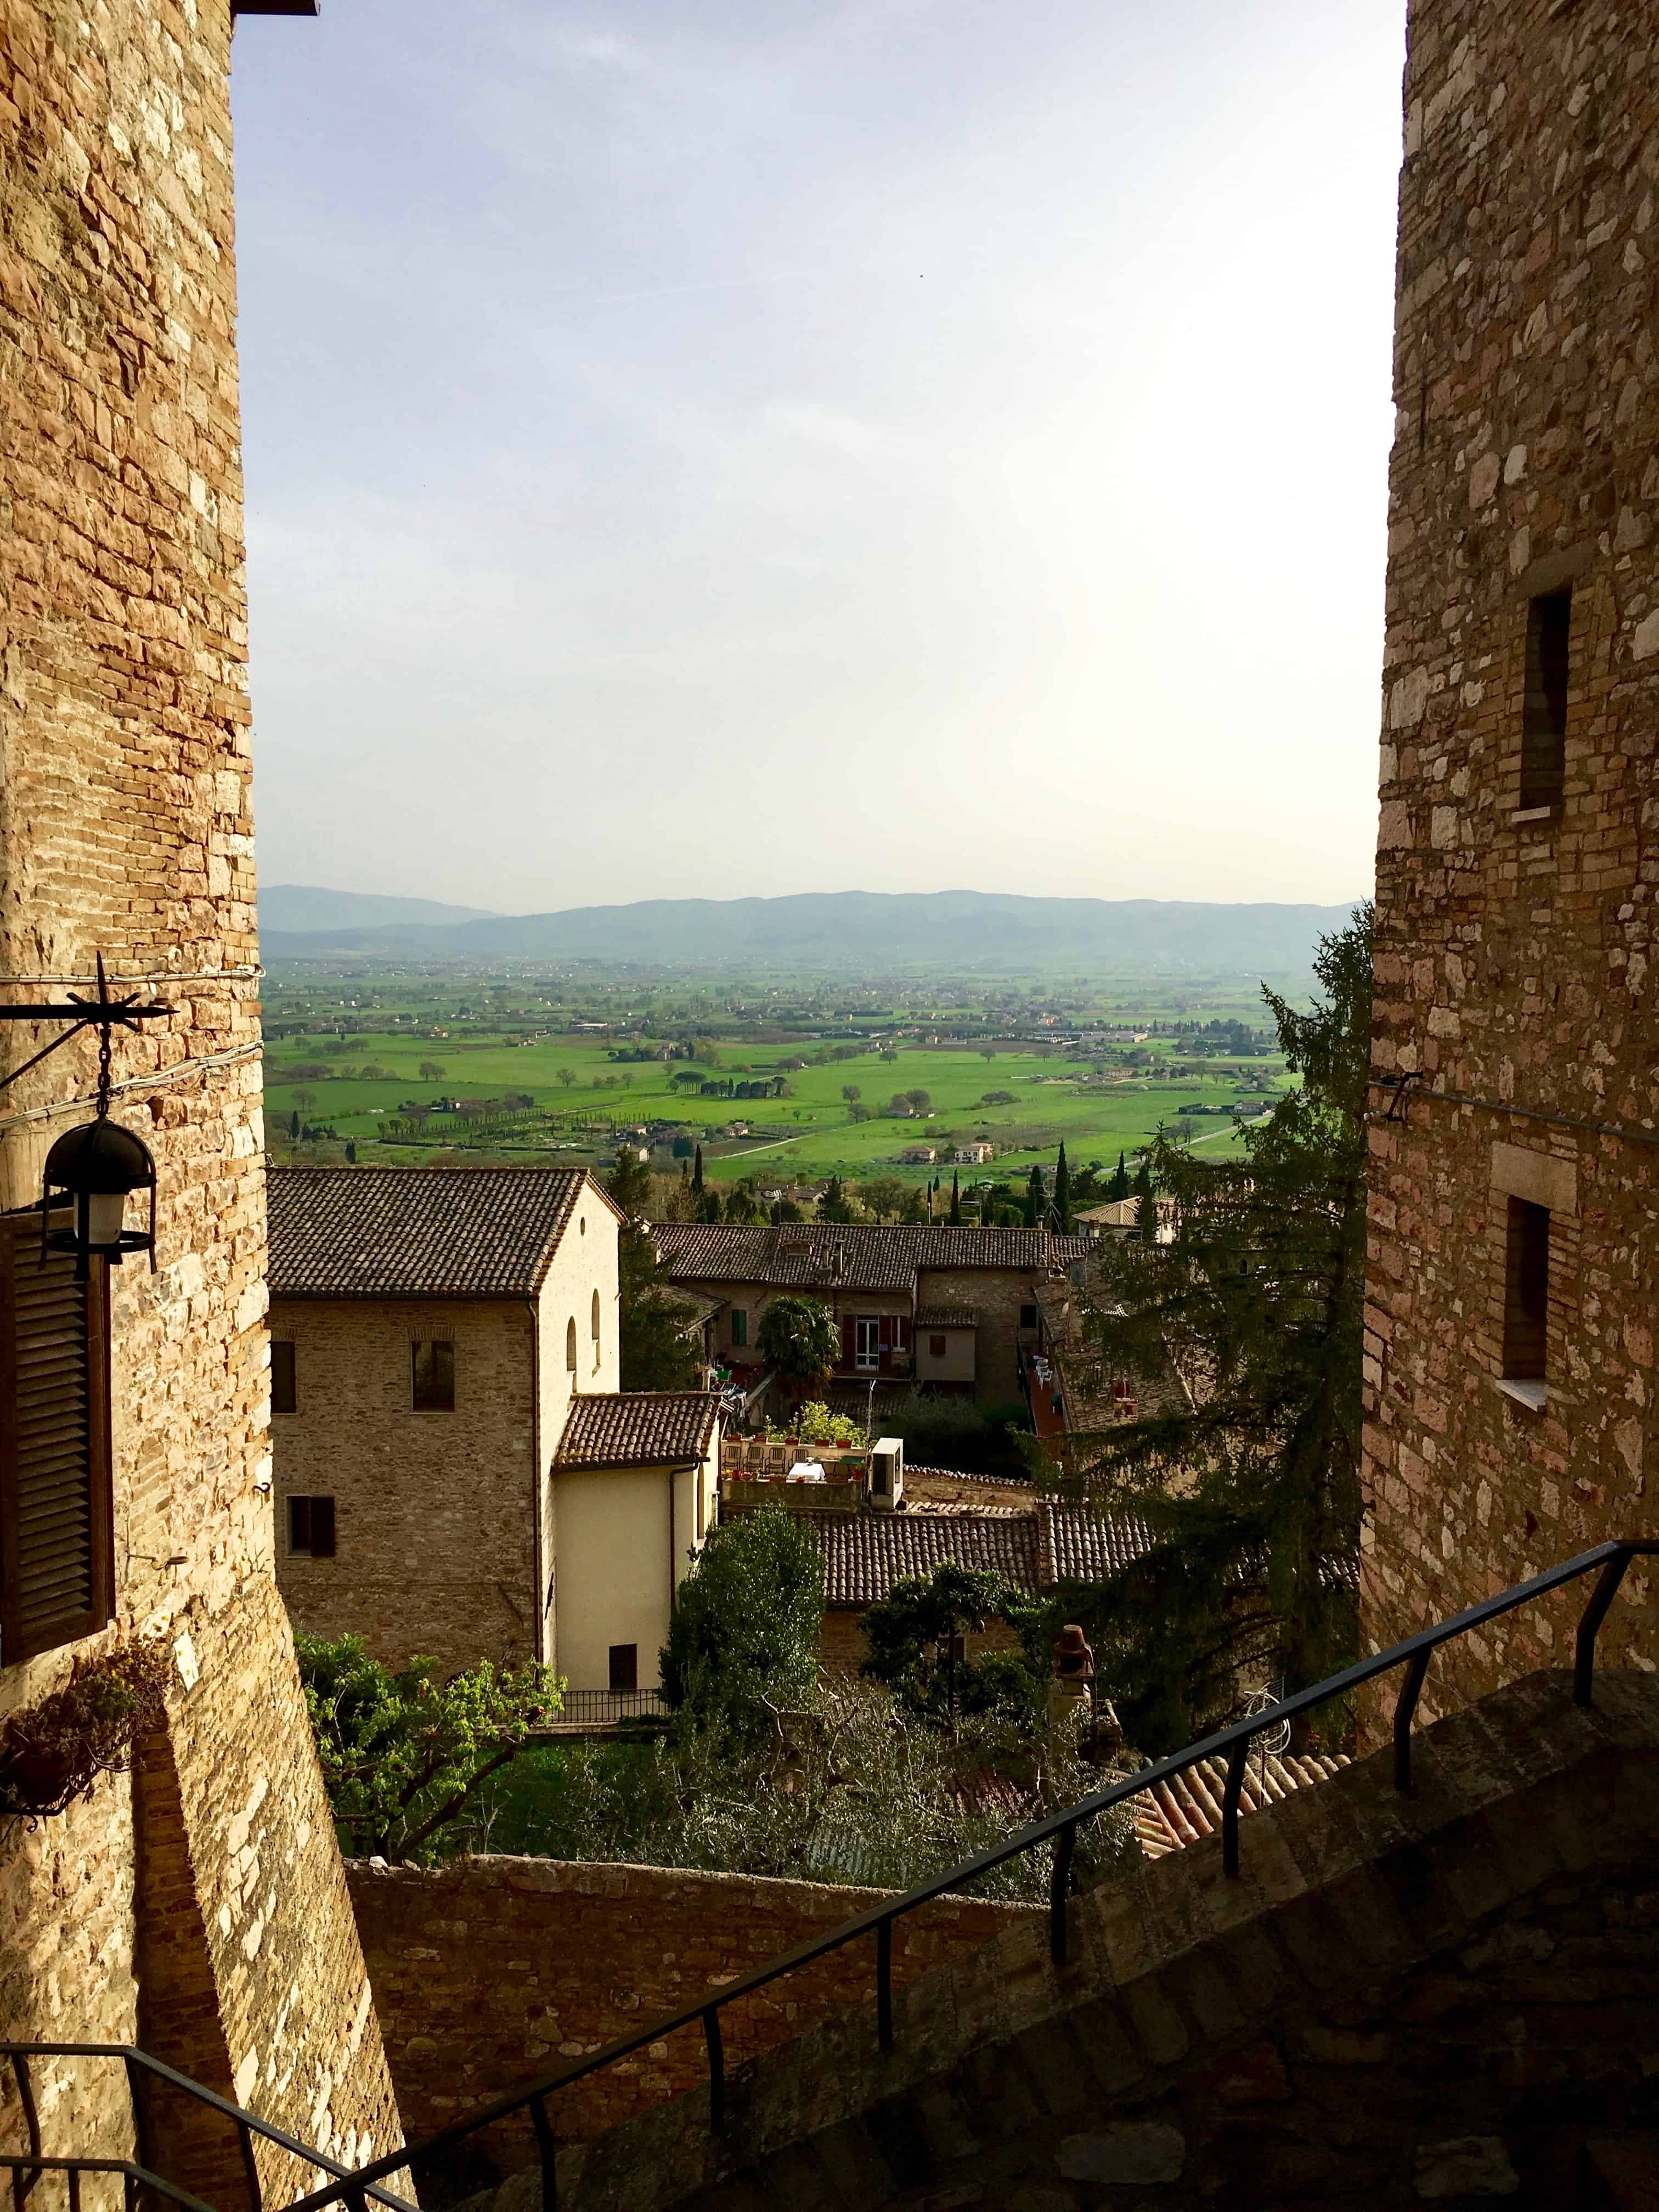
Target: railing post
[884,1983]
[547,2149]
[1060,1884]
[711,2031]
[140,2132]
[1238,1759]
[20,2067]
[251,2166]
[1583,1658]
[1404,1712]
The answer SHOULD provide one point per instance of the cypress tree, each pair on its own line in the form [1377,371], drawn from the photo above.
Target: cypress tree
[293,1125]
[1119,1185]
[1062,1195]
[956,1199]
[1036,1199]
[697,1172]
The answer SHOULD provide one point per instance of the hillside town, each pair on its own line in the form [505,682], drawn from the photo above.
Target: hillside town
[607,1678]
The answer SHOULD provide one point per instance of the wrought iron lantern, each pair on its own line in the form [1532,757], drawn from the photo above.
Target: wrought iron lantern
[99,1166]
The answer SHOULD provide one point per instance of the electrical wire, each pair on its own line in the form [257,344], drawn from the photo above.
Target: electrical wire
[155,1081]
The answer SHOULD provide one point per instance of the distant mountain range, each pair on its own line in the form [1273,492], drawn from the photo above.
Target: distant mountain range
[881,931]
[298,909]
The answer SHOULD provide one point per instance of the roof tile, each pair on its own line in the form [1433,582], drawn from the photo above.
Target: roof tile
[638,1428]
[419,1232]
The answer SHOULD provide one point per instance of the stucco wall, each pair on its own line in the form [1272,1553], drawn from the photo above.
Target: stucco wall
[1513,956]
[125,826]
[624,1541]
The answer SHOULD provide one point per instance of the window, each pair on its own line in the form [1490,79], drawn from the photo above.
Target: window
[1544,721]
[1526,1292]
[283,1399]
[570,1345]
[739,1326]
[595,1324]
[1027,1316]
[866,1342]
[702,1504]
[434,1365]
[56,1518]
[936,1348]
[624,1665]
[311,1528]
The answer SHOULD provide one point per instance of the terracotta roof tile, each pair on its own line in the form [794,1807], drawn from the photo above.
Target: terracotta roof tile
[807,1256]
[1085,1543]
[947,1317]
[419,1232]
[1173,1814]
[638,1428]
[865,1553]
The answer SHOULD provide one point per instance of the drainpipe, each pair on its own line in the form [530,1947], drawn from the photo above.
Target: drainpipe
[538,1609]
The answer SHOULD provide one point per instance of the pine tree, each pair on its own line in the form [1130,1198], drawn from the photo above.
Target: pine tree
[956,1199]
[1250,1484]
[1062,1195]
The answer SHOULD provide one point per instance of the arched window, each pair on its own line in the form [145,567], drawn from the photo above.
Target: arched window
[570,1344]
[595,1324]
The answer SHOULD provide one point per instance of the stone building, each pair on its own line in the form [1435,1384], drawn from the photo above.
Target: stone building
[952,1309]
[1515,1150]
[197,1907]
[431,1329]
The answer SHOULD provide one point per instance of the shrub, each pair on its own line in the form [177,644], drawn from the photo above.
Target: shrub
[746,1628]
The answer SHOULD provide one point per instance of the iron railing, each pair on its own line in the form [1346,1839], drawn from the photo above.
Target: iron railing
[26,2168]
[1608,1562]
[587,1707]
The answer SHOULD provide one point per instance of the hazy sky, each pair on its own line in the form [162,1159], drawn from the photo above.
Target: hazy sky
[721,446]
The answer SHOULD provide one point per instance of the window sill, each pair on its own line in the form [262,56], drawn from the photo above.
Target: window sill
[1523,814]
[1534,1396]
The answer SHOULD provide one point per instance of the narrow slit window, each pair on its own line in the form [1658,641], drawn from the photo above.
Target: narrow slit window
[311,1528]
[1527,1293]
[1544,726]
[284,1397]
[570,1345]
[433,1365]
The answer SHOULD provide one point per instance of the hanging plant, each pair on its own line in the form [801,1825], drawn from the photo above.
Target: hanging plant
[53,1752]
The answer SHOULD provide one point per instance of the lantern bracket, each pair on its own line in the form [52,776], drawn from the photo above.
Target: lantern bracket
[102,1013]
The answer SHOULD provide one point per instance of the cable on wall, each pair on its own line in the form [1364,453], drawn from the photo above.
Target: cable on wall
[158,1081]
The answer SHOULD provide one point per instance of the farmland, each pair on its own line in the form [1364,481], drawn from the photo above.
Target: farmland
[408,1070]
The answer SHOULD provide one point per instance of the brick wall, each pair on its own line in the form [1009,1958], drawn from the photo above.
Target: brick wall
[493,1969]
[125,826]
[999,1295]
[1512,961]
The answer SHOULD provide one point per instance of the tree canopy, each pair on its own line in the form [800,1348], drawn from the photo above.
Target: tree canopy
[655,1352]
[401,1752]
[799,1337]
[1244,1335]
[746,1628]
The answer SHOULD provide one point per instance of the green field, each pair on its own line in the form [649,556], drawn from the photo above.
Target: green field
[580,1097]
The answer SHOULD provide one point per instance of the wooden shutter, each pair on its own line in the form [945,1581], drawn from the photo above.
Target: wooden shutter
[57,1550]
[848,1341]
[885,1342]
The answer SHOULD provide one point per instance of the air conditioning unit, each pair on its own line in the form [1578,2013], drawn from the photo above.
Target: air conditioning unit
[887,1470]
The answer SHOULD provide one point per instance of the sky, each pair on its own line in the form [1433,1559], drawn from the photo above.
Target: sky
[722,447]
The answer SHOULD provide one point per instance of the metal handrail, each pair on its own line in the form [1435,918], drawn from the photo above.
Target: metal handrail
[355,2187]
[1058,1828]
[137,2178]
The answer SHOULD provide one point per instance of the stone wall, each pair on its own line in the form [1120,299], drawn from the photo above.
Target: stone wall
[998,1294]
[125,827]
[493,1969]
[1447,1997]
[1513,948]
[435,1513]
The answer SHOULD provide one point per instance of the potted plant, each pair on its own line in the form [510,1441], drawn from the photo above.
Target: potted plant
[52,1752]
